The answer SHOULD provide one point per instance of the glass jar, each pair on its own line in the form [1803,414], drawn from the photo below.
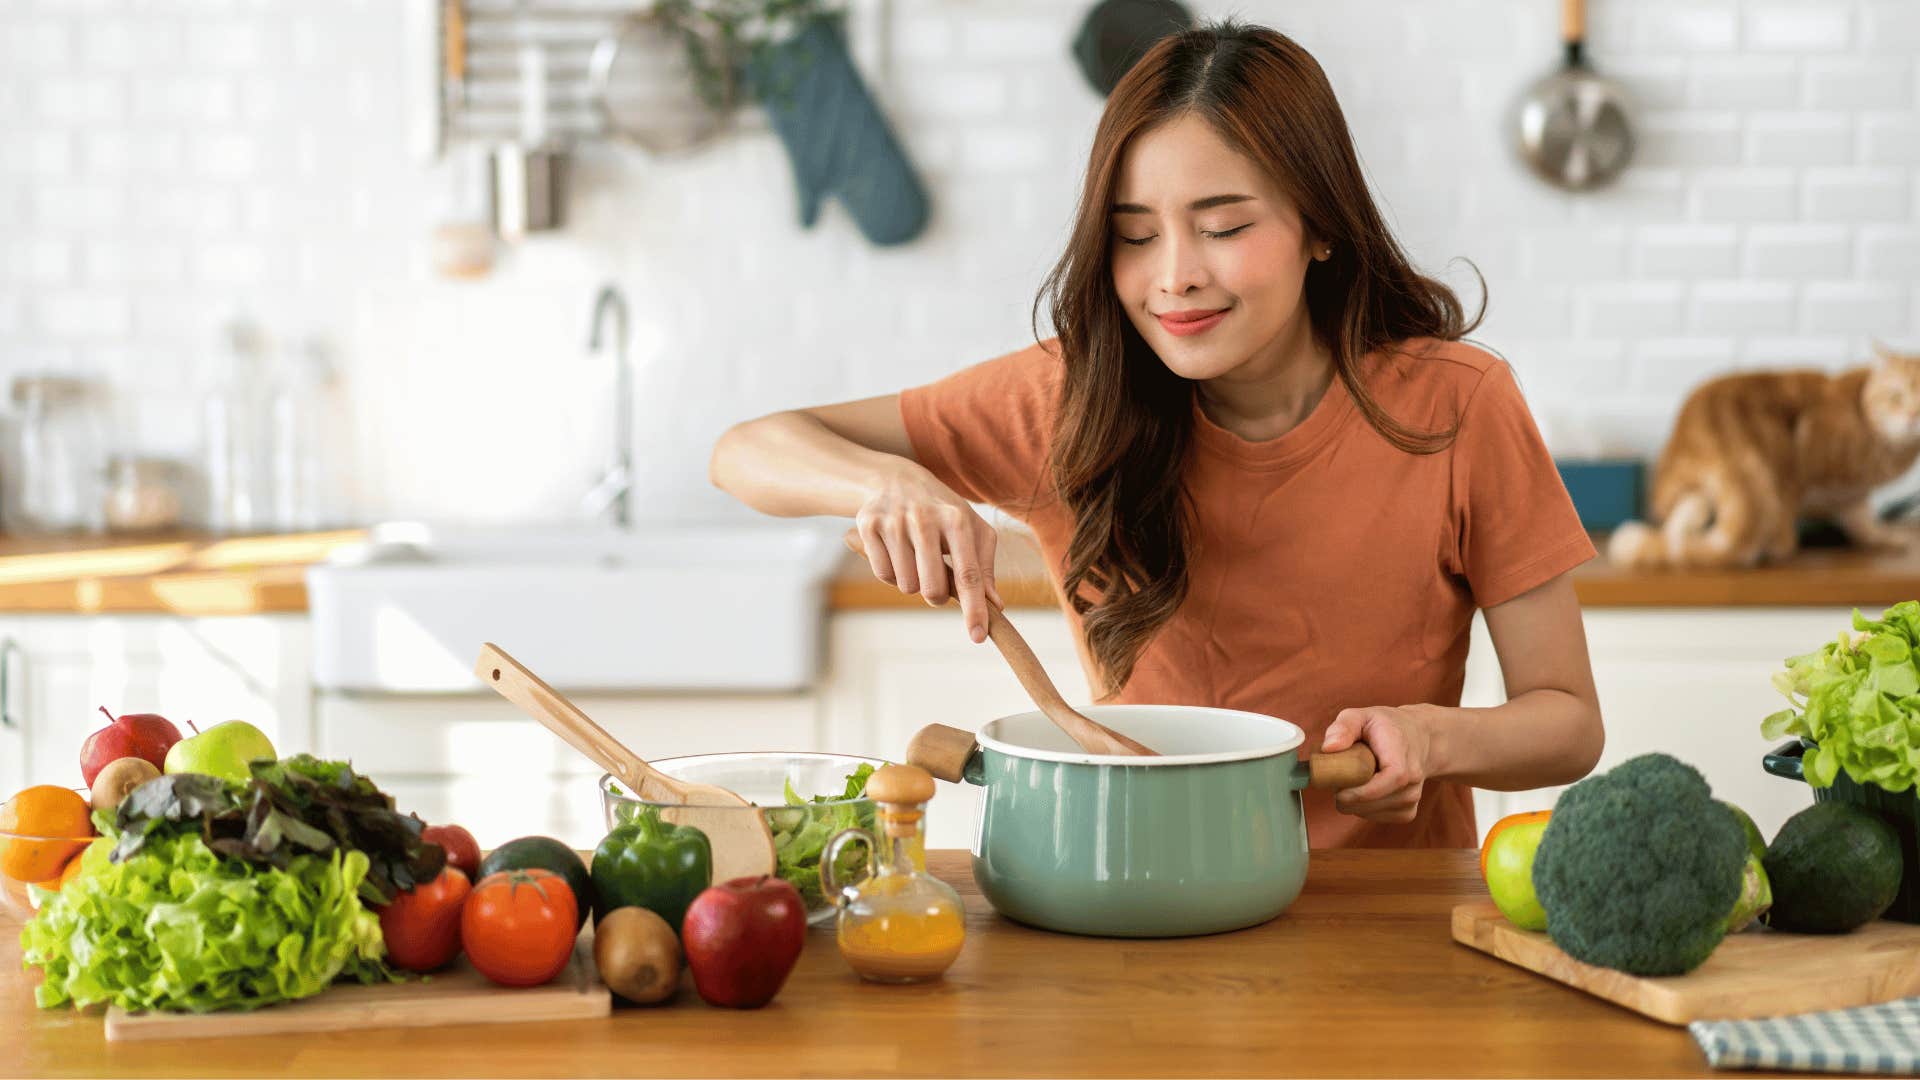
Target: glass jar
[234,424]
[143,494]
[299,405]
[60,454]
[463,241]
[901,924]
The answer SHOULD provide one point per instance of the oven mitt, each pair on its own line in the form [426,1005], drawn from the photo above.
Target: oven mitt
[835,135]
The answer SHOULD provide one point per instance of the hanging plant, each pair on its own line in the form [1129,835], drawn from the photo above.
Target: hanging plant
[722,35]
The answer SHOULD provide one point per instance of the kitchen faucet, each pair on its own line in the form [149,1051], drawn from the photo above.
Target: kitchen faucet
[615,488]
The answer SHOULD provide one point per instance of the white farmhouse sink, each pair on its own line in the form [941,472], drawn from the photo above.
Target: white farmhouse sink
[667,607]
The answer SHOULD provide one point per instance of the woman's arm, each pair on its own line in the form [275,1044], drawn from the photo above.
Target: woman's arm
[1549,730]
[825,460]
[1547,733]
[855,460]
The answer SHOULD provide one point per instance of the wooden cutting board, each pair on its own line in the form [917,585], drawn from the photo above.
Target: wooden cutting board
[1756,973]
[458,995]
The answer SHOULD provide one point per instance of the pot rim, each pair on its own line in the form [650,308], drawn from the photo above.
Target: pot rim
[1291,738]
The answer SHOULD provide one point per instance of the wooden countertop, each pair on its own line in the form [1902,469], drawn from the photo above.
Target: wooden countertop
[179,573]
[1360,977]
[192,574]
[1816,577]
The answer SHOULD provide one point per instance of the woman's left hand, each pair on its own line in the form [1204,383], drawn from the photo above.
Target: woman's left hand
[1401,742]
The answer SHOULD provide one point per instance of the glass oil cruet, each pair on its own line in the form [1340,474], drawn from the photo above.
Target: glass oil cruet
[901,924]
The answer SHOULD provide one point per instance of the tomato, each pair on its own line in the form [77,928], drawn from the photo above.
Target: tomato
[422,925]
[463,850]
[519,925]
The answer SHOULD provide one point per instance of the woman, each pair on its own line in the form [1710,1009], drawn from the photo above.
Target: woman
[1266,471]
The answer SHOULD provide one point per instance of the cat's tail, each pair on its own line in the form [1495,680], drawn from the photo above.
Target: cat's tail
[1636,545]
[1693,534]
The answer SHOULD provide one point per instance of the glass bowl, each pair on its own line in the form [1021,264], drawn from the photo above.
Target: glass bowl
[17,896]
[800,832]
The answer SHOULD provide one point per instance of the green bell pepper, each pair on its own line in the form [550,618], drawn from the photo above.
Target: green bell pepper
[652,864]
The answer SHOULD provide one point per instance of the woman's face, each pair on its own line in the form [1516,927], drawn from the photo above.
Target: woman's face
[1209,257]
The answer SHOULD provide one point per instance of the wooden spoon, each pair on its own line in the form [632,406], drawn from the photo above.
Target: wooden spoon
[1092,736]
[742,844]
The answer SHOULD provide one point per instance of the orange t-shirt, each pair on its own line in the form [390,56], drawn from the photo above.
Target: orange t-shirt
[1328,568]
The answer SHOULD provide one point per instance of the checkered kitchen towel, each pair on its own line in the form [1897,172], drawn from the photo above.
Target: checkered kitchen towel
[1871,1039]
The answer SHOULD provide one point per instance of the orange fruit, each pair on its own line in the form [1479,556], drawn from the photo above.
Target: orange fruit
[1506,823]
[43,810]
[72,871]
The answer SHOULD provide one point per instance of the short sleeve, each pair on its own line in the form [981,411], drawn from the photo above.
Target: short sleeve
[1515,527]
[985,430]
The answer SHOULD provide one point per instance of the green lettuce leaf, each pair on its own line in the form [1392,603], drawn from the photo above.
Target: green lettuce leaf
[1857,699]
[294,806]
[802,830]
[177,926]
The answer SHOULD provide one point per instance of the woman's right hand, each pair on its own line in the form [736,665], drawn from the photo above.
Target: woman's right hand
[906,526]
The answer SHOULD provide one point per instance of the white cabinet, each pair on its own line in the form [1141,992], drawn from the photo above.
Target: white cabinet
[479,762]
[14,748]
[890,673]
[1691,682]
[62,668]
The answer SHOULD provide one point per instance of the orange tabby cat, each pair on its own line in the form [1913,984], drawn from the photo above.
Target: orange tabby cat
[1751,453]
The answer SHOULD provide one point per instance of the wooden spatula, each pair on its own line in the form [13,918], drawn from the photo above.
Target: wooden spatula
[1092,736]
[737,830]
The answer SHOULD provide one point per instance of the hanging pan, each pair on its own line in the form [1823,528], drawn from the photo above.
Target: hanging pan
[1573,126]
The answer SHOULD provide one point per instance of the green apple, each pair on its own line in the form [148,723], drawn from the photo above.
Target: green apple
[1756,843]
[222,750]
[1510,874]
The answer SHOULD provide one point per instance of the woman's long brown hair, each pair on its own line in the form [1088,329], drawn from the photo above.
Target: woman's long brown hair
[1124,420]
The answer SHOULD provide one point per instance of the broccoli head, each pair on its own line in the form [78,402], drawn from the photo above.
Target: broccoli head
[1639,868]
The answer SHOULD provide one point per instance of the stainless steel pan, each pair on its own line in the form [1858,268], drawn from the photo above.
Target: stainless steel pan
[1573,126]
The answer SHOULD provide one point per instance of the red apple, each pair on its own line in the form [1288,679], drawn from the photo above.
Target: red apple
[463,851]
[138,735]
[742,937]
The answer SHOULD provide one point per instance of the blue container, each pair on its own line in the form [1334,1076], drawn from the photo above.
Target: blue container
[1606,492]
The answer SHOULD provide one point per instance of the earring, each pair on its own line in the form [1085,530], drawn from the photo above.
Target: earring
[1326,252]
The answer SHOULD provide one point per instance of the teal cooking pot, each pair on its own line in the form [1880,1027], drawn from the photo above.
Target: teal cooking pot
[1207,837]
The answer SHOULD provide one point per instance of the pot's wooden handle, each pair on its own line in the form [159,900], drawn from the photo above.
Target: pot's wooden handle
[941,750]
[1341,769]
[1573,21]
[513,681]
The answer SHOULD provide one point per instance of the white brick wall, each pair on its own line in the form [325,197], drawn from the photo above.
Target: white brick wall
[164,163]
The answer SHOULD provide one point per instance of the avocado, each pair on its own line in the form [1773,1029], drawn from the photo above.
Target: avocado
[545,853]
[1834,867]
